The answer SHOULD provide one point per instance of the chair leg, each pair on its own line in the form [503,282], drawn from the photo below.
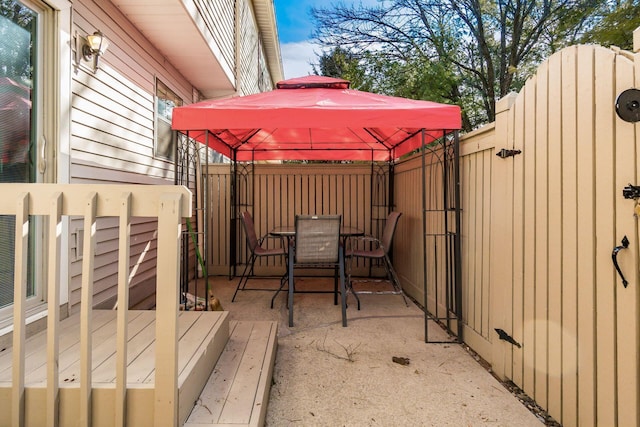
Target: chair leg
[245,276]
[335,286]
[291,289]
[343,290]
[284,279]
[349,284]
[393,278]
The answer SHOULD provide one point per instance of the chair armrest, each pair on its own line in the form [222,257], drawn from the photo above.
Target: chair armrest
[268,236]
[365,239]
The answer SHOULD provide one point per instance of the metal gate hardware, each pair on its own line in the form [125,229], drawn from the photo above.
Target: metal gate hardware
[506,337]
[504,153]
[628,105]
[614,257]
[631,192]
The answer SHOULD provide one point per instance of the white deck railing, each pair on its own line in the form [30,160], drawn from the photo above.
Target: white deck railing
[169,204]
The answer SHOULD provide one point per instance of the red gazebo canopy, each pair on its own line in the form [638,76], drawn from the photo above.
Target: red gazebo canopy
[315,118]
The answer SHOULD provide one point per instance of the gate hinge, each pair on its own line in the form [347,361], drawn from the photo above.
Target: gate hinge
[506,337]
[504,153]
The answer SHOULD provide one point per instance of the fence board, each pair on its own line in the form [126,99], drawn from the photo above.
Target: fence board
[501,193]
[605,299]
[485,221]
[541,238]
[586,240]
[518,238]
[529,242]
[569,309]
[626,305]
[555,248]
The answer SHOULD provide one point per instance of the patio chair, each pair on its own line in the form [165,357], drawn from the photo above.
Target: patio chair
[257,250]
[379,250]
[317,245]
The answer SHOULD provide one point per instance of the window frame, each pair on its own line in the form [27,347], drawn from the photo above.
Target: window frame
[164,92]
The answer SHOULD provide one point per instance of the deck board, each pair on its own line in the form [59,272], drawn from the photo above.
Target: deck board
[140,332]
[236,393]
[202,336]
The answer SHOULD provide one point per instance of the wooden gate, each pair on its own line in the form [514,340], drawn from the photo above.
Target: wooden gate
[560,323]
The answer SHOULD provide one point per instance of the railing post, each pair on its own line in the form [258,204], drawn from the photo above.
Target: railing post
[123,308]
[86,308]
[53,309]
[19,301]
[166,373]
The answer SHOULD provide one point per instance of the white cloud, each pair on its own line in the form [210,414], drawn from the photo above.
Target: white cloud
[297,58]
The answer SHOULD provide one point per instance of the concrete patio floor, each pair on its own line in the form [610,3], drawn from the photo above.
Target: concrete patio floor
[327,375]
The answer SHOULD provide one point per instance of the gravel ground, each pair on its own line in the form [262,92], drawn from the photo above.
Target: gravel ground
[327,375]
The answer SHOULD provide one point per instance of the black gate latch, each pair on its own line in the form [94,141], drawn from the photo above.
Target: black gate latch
[504,153]
[631,192]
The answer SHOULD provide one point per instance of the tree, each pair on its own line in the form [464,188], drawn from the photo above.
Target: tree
[616,23]
[16,23]
[340,63]
[471,52]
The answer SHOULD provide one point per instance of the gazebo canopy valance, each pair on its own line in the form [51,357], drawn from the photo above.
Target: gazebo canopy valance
[315,118]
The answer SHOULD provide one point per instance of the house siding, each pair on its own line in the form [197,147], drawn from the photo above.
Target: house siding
[112,128]
[254,74]
[219,17]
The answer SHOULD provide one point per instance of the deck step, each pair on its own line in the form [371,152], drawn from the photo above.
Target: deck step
[237,391]
[202,339]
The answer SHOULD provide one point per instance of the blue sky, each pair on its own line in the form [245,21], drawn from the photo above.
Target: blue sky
[294,21]
[294,29]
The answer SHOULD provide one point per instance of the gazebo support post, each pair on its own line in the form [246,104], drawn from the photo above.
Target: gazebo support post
[458,238]
[449,159]
[424,236]
[232,226]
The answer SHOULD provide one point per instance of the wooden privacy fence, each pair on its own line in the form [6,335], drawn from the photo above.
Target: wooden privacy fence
[275,193]
[169,204]
[540,224]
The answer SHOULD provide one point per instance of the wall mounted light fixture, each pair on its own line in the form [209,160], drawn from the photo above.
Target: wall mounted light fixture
[91,48]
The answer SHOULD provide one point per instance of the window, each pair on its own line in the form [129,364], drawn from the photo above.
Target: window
[165,143]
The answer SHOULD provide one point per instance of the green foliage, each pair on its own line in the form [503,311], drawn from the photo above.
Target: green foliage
[16,22]
[340,63]
[464,52]
[616,25]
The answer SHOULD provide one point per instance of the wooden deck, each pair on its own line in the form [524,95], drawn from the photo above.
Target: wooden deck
[237,392]
[202,337]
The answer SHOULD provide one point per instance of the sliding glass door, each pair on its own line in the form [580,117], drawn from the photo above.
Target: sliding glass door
[20,39]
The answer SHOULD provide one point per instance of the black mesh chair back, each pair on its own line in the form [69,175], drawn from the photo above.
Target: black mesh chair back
[317,244]
[317,239]
[250,231]
[256,250]
[389,230]
[378,250]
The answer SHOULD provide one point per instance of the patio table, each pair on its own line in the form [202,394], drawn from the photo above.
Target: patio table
[289,232]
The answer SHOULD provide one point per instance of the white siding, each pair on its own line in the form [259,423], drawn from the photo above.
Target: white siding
[112,129]
[112,124]
[219,17]
[254,74]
